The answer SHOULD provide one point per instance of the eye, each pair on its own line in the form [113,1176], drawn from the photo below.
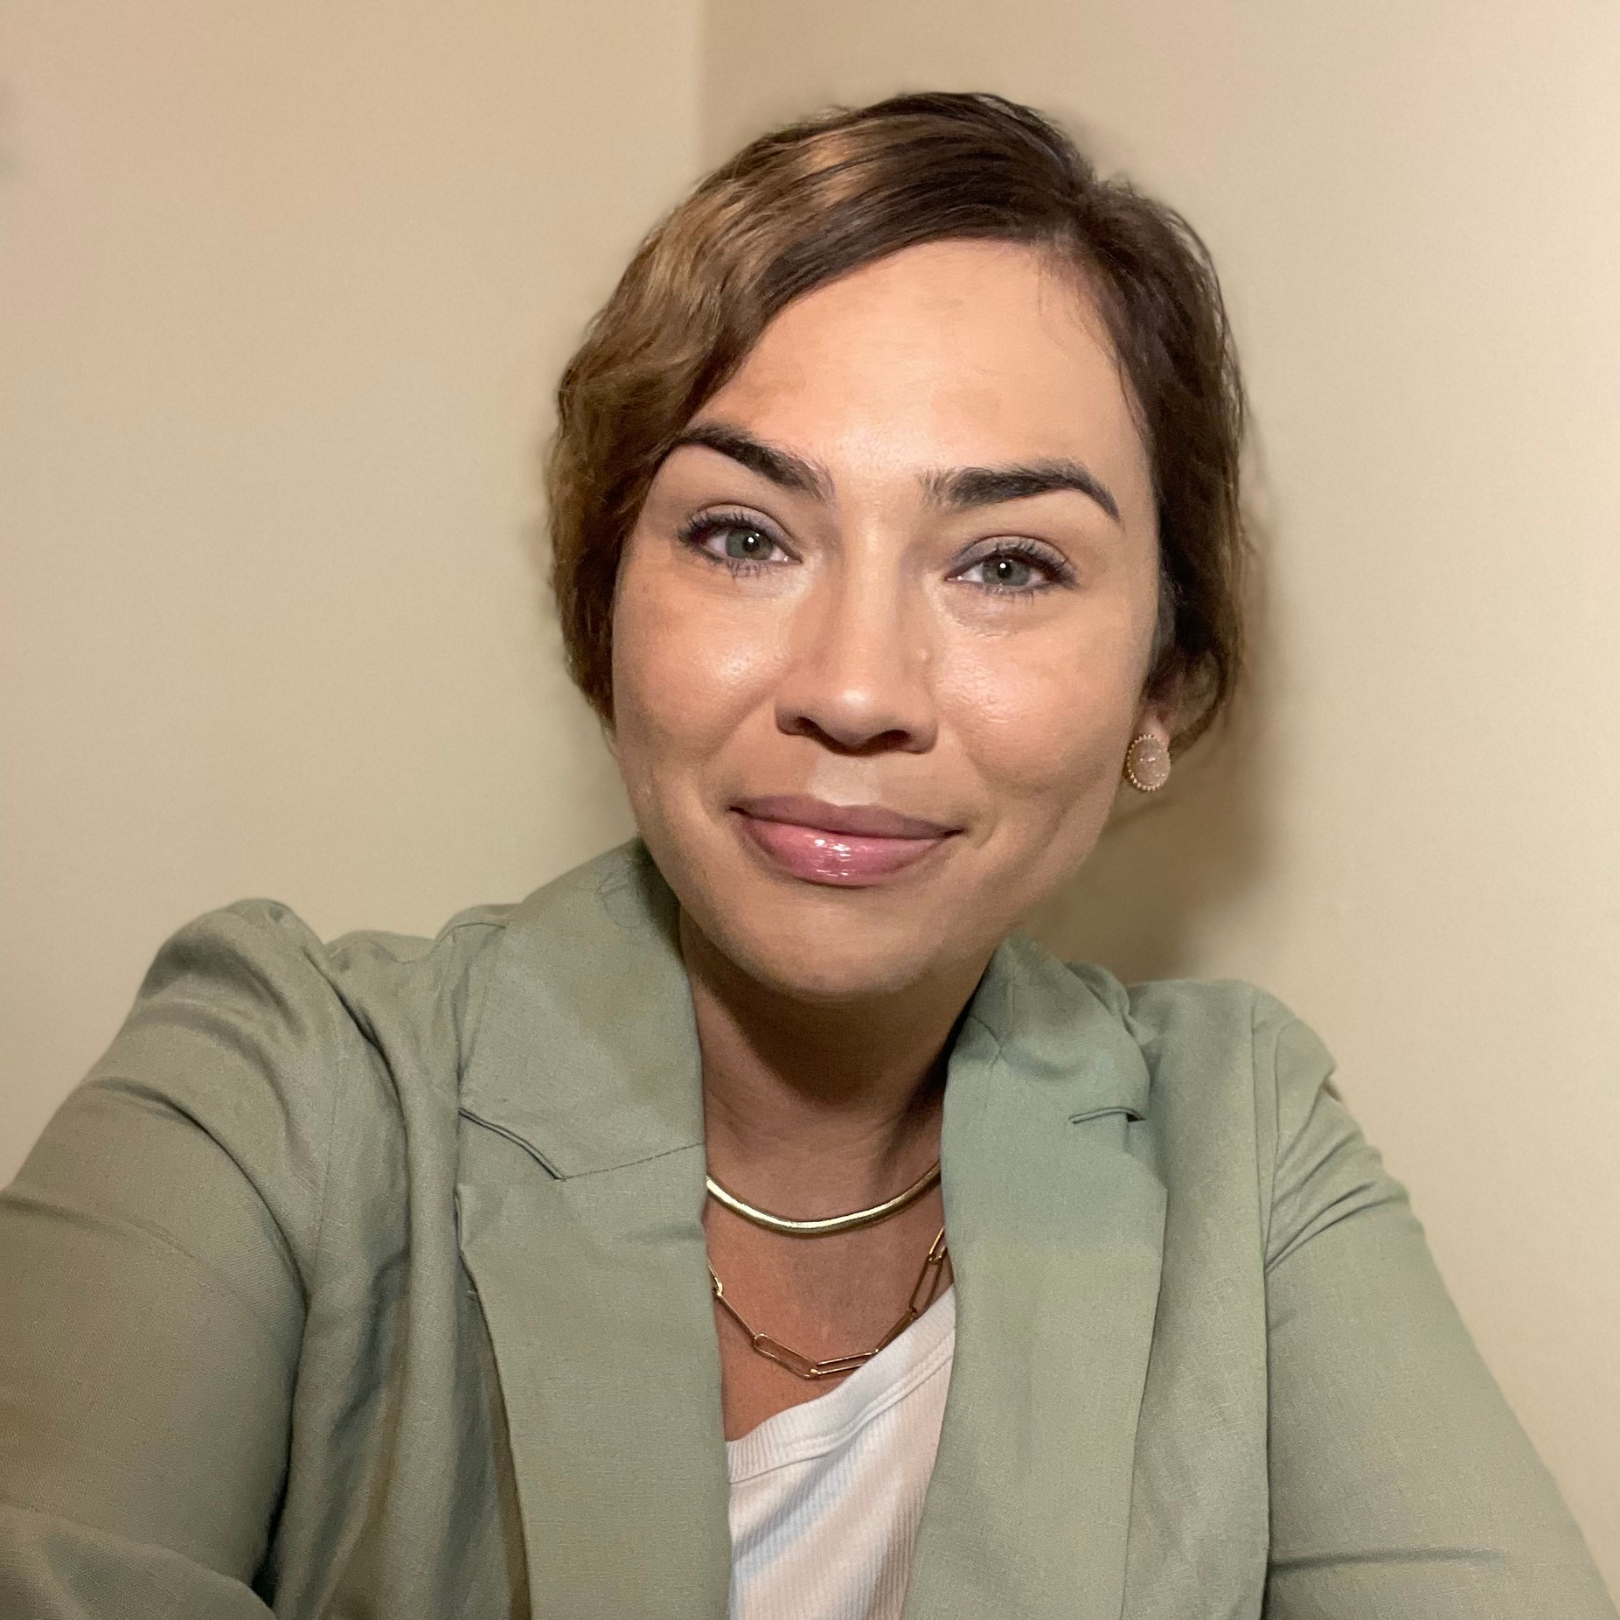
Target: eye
[745,545]
[735,540]
[1010,573]
[1017,568]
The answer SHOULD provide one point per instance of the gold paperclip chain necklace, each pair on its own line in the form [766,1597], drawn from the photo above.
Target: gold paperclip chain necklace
[922,1296]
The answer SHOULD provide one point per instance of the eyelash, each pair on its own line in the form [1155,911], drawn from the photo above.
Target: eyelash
[695,531]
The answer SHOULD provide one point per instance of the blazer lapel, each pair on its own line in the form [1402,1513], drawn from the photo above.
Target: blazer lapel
[579,1196]
[1056,1227]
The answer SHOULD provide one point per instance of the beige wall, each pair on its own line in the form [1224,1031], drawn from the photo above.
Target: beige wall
[283,291]
[1417,212]
[280,299]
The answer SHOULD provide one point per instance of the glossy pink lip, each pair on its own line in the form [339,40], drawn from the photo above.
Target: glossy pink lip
[847,845]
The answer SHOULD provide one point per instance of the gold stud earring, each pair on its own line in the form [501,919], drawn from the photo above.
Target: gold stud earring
[1147,763]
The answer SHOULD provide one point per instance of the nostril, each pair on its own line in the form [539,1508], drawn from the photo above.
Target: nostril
[851,743]
[869,710]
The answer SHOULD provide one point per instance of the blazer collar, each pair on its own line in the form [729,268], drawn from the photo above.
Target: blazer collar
[584,1049]
[1063,1031]
[581,1194]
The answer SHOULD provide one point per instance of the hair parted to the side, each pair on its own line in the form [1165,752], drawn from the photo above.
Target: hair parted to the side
[810,202]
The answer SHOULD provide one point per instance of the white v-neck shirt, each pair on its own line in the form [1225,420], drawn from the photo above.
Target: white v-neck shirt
[826,1496]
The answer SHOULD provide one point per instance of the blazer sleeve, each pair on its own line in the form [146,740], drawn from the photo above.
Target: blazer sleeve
[151,1295]
[1402,1487]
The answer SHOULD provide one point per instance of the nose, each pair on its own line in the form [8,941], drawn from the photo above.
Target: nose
[859,678]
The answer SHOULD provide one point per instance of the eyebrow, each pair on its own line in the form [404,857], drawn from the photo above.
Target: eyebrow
[960,490]
[966,487]
[781,467]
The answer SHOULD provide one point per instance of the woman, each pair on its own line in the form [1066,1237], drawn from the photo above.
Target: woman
[614,1252]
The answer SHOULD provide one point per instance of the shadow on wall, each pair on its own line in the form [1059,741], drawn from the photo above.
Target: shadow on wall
[1165,865]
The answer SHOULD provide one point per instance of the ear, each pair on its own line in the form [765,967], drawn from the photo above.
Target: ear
[1152,721]
[1159,711]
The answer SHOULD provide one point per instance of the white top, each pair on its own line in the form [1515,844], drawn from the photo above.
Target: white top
[826,1496]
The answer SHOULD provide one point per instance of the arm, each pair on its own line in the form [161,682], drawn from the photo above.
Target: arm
[1402,1487]
[151,1307]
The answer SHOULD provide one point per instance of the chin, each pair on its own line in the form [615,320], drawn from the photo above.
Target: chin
[817,956]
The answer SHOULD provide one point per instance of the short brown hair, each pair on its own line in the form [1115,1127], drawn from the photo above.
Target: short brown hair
[810,202]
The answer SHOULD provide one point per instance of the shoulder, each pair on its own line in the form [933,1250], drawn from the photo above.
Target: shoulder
[254,1035]
[255,979]
[1200,1032]
[1236,1078]
[1204,1024]
[1200,1047]
[1239,1080]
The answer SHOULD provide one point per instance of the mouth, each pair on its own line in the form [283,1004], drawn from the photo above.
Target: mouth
[846,846]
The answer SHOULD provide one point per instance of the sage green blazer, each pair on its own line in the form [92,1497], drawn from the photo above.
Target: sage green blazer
[368,1279]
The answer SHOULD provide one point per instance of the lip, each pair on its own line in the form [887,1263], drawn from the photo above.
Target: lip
[857,820]
[843,845]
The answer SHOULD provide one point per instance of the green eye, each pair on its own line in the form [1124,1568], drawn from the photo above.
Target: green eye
[747,545]
[1011,573]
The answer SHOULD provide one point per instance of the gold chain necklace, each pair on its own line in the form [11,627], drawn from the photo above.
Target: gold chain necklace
[922,1296]
[827,1224]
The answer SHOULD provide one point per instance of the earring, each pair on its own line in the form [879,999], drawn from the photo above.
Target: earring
[1147,763]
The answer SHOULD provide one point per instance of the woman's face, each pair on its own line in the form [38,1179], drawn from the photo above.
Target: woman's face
[882,626]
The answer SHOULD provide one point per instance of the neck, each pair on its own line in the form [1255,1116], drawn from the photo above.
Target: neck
[812,1109]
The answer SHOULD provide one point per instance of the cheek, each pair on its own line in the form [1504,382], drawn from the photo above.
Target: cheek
[687,668]
[1046,723]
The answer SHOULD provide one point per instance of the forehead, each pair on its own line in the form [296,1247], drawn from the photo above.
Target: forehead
[950,353]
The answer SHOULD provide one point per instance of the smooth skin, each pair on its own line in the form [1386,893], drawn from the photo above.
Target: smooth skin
[908,559]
